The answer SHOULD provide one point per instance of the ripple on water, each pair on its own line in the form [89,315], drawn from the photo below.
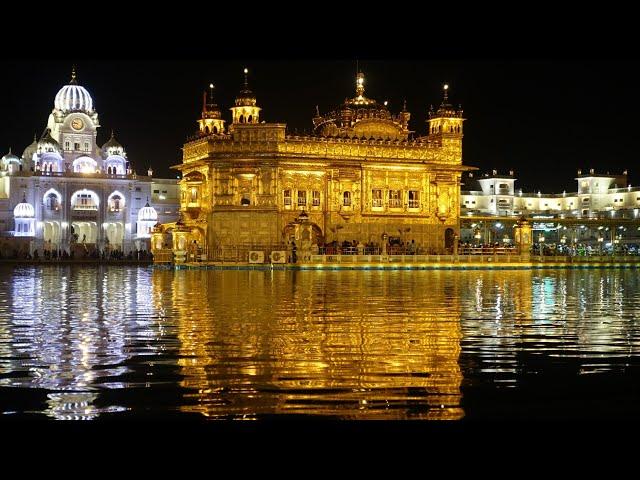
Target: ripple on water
[104,341]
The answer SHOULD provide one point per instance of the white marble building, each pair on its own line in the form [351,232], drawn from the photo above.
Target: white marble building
[604,209]
[65,190]
[596,196]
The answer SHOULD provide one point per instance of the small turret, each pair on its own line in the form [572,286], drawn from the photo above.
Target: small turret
[211,120]
[246,110]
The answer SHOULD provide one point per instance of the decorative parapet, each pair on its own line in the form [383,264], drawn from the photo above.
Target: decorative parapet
[267,142]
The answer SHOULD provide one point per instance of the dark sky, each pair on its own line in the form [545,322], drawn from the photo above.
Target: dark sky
[542,118]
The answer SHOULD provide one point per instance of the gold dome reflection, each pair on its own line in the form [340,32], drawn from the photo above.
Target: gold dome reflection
[381,345]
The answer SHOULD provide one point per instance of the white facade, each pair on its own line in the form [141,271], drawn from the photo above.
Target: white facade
[596,196]
[79,193]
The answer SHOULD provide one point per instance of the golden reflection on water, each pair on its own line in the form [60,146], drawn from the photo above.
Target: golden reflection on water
[348,344]
[354,345]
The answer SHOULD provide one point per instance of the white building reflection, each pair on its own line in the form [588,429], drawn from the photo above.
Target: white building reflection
[70,331]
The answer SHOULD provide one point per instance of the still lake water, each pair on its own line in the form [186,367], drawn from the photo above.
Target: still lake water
[126,342]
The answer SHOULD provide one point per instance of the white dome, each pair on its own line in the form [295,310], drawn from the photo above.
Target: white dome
[10,158]
[47,143]
[24,210]
[147,213]
[72,98]
[112,147]
[27,155]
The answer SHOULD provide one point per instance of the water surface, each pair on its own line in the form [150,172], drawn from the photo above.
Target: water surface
[101,342]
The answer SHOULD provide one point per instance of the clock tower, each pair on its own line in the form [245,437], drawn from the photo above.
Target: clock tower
[74,122]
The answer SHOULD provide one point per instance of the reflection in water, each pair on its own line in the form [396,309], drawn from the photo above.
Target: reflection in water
[259,342]
[103,341]
[66,330]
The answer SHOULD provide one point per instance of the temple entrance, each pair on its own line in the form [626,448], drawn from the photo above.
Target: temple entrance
[52,234]
[114,233]
[289,232]
[84,232]
[292,231]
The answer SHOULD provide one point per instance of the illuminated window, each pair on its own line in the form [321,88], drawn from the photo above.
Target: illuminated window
[302,198]
[287,197]
[346,199]
[85,201]
[395,199]
[316,198]
[114,203]
[194,195]
[376,198]
[52,201]
[414,199]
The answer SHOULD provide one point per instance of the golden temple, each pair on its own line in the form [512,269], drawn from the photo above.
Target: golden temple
[361,176]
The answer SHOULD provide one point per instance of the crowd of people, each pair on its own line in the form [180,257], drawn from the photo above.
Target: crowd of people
[62,255]
[355,247]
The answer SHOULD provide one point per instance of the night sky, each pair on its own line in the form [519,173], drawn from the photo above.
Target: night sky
[542,118]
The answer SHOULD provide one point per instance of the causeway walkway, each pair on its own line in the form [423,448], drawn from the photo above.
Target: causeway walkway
[412,262]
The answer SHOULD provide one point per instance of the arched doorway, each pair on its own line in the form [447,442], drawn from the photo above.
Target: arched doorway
[292,231]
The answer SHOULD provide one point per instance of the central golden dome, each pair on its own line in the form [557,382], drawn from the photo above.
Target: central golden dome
[363,117]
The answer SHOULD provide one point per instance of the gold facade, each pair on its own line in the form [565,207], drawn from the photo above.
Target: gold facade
[359,176]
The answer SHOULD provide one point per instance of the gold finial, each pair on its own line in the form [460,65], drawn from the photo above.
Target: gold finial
[204,102]
[446,92]
[360,84]
[404,105]
[317,111]
[73,75]
[246,78]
